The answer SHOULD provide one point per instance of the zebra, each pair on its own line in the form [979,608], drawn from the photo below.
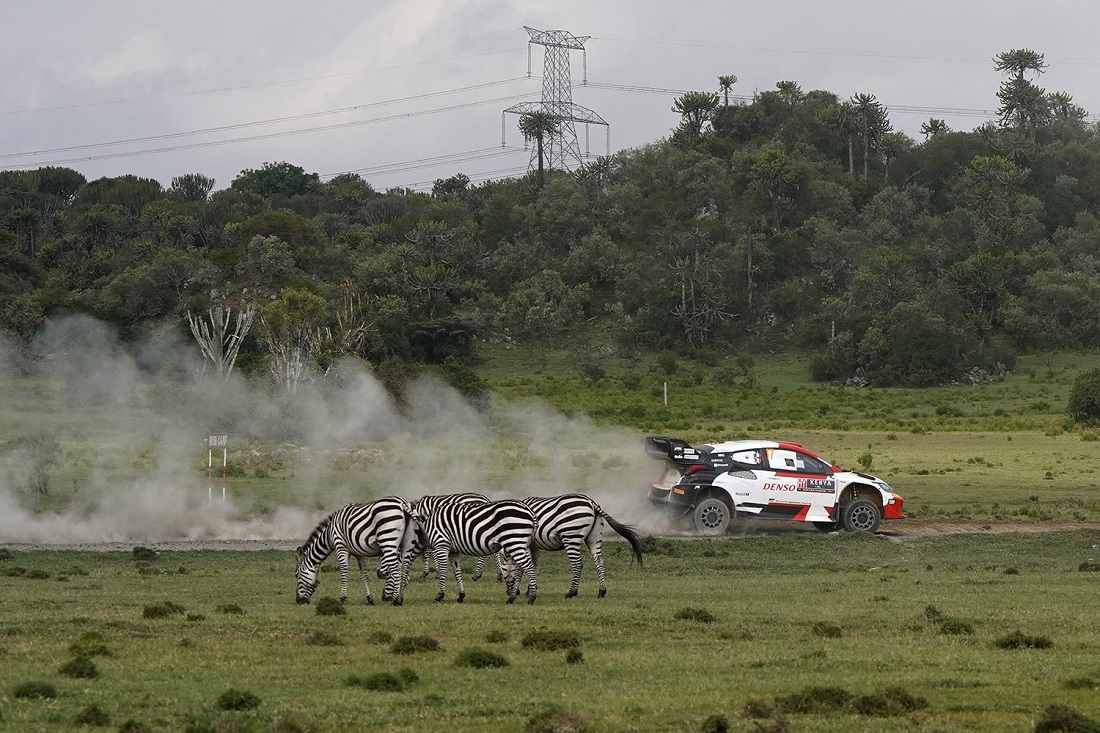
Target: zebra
[426,505]
[566,522]
[506,526]
[382,527]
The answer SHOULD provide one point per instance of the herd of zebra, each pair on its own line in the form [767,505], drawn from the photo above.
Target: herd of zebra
[446,526]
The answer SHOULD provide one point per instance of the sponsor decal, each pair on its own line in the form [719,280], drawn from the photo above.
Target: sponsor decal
[817,485]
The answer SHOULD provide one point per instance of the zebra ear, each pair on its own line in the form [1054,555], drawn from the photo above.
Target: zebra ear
[300,550]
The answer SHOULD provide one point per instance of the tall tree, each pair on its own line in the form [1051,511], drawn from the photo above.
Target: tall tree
[871,123]
[1024,106]
[725,83]
[934,127]
[217,341]
[695,110]
[537,126]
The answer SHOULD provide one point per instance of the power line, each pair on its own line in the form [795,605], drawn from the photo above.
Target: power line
[254,86]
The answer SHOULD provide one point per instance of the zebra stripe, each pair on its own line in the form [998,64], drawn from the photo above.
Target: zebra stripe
[378,528]
[566,522]
[425,506]
[483,529]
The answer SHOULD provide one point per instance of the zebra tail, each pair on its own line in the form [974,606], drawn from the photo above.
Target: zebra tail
[627,532]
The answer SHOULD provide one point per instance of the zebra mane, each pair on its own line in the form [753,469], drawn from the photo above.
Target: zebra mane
[317,534]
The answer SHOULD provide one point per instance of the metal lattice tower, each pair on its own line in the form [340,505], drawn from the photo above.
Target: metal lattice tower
[561,150]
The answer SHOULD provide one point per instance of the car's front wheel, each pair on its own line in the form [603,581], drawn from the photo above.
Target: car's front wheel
[861,515]
[712,516]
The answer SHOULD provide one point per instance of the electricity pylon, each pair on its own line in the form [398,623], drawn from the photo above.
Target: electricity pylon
[560,150]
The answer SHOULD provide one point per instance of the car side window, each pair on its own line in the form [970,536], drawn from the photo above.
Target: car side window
[746,457]
[780,459]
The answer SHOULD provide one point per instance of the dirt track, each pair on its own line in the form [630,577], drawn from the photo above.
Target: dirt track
[896,531]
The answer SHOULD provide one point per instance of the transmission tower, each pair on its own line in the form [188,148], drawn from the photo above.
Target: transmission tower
[560,150]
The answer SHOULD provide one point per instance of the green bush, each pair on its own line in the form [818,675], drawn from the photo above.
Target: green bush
[163,610]
[1020,640]
[696,614]
[233,699]
[1084,399]
[555,719]
[329,606]
[1057,718]
[414,644]
[80,668]
[480,659]
[34,691]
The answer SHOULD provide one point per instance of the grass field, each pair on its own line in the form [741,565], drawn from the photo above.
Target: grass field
[799,630]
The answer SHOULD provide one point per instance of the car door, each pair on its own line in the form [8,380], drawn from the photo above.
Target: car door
[797,478]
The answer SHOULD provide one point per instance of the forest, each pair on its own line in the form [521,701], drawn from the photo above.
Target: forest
[797,221]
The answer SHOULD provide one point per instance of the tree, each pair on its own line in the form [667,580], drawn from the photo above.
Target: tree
[291,329]
[1019,61]
[934,127]
[841,117]
[191,188]
[695,109]
[871,123]
[1084,398]
[725,83]
[281,179]
[1024,106]
[217,342]
[537,126]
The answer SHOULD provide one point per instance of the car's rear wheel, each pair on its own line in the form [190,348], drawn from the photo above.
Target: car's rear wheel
[861,515]
[711,516]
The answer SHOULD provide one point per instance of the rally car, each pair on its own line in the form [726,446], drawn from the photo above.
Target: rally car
[712,483]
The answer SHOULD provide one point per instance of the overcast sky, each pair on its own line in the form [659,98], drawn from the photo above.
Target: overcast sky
[408,91]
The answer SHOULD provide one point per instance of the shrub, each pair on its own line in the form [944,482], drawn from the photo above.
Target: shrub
[377,682]
[1020,640]
[551,641]
[144,554]
[380,637]
[1081,683]
[717,723]
[93,716]
[163,610]
[479,659]
[955,627]
[555,719]
[233,699]
[230,608]
[329,606]
[1064,718]
[134,726]
[414,644]
[695,614]
[80,668]
[757,708]
[1084,398]
[34,691]
[1089,566]
[6,554]
[826,630]
[89,644]
[811,700]
[496,637]
[574,656]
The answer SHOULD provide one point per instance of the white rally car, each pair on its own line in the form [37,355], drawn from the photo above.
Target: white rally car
[714,482]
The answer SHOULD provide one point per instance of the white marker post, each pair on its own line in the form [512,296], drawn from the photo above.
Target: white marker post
[219,440]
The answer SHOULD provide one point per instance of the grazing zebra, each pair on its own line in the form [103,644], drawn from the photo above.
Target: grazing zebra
[425,506]
[483,529]
[379,528]
[570,520]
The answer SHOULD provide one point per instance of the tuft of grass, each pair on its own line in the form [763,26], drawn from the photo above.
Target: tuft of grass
[891,701]
[383,681]
[6,554]
[82,668]
[757,708]
[380,637]
[234,699]
[496,636]
[34,691]
[1089,566]
[551,641]
[37,574]
[826,630]
[555,719]
[414,644]
[1081,683]
[329,606]
[574,656]
[955,627]
[1019,640]
[480,659]
[89,644]
[229,608]
[92,716]
[163,610]
[695,614]
[134,726]
[323,638]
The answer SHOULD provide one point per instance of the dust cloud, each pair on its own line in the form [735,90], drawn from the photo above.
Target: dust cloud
[103,441]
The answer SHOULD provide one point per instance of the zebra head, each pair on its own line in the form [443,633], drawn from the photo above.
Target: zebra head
[306,574]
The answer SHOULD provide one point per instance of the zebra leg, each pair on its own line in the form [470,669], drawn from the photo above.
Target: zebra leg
[500,566]
[479,568]
[507,569]
[521,556]
[458,580]
[597,557]
[573,552]
[442,560]
[427,565]
[366,585]
[342,565]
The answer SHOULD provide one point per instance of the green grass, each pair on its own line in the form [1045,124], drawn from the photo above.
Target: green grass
[645,666]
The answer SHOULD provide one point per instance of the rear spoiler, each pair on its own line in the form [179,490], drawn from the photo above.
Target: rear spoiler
[672,449]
